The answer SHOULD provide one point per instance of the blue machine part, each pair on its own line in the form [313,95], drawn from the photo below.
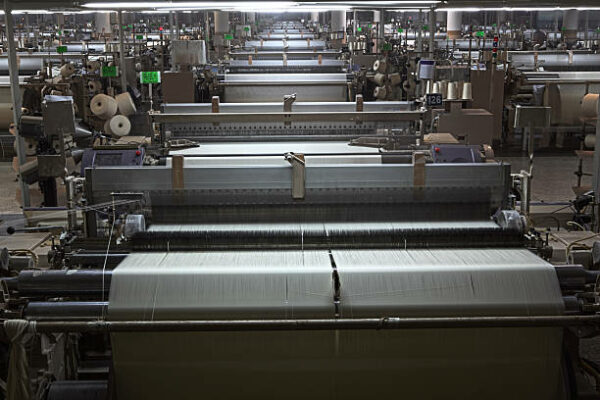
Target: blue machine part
[455,153]
[111,157]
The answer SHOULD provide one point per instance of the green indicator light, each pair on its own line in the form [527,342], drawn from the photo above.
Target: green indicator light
[61,49]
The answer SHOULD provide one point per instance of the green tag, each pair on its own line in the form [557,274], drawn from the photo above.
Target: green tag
[108,71]
[59,32]
[370,26]
[247,28]
[387,47]
[359,29]
[130,26]
[228,36]
[124,26]
[139,37]
[147,77]
[494,25]
[425,27]
[480,34]
[61,49]
[400,30]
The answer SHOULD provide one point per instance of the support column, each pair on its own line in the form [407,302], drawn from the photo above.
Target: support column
[570,25]
[454,24]
[103,26]
[338,21]
[122,69]
[314,17]
[221,28]
[221,22]
[596,174]
[376,21]
[432,29]
[15,92]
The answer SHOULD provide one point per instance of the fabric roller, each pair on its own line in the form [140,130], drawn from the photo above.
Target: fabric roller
[345,364]
[103,106]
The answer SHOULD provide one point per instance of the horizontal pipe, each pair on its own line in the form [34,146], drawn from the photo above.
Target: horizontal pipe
[317,324]
[65,310]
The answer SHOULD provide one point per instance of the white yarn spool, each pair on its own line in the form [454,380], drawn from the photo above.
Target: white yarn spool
[125,104]
[95,86]
[103,106]
[436,87]
[92,66]
[379,78]
[380,92]
[467,91]
[379,66]
[589,105]
[590,141]
[119,125]
[452,91]
[67,70]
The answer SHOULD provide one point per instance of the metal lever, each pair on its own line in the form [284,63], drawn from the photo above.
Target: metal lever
[288,100]
[298,175]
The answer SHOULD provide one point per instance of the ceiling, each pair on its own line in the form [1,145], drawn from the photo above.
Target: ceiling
[76,4]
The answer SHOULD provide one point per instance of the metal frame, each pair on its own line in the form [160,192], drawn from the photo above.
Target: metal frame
[383,323]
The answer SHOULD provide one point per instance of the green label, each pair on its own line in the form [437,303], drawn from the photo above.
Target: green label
[494,25]
[108,71]
[139,37]
[130,26]
[228,36]
[370,26]
[425,27]
[480,34]
[61,49]
[359,29]
[400,30]
[247,28]
[147,77]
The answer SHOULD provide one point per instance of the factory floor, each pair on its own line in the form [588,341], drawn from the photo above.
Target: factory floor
[553,181]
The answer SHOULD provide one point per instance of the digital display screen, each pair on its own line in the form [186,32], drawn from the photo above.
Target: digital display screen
[108,159]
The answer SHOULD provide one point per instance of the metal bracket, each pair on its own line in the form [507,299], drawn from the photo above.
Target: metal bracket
[288,100]
[298,175]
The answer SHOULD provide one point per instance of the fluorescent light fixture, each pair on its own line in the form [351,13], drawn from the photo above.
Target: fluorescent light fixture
[411,10]
[240,6]
[185,4]
[542,9]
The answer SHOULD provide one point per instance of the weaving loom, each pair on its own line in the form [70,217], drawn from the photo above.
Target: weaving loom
[366,240]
